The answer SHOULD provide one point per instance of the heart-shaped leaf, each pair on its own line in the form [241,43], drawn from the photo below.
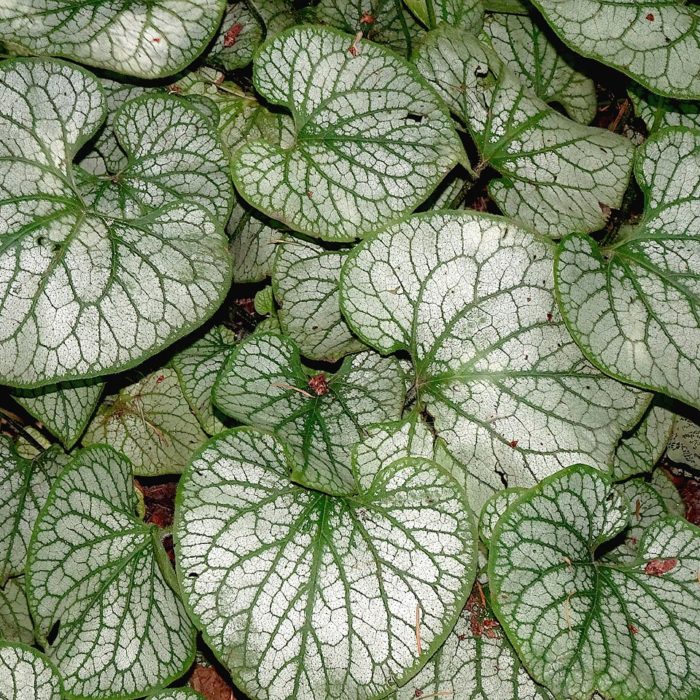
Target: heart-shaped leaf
[325,596]
[558,176]
[64,409]
[94,574]
[239,36]
[305,282]
[633,306]
[148,40]
[470,297]
[15,621]
[197,368]
[26,674]
[383,21]
[639,451]
[684,445]
[527,50]
[319,417]
[151,423]
[25,488]
[657,43]
[367,151]
[581,623]
[659,112]
[86,292]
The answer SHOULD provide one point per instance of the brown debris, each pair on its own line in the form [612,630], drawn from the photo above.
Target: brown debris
[231,35]
[319,384]
[207,681]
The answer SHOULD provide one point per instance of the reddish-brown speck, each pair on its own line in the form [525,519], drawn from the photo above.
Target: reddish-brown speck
[160,378]
[513,443]
[550,317]
[633,629]
[319,384]
[659,567]
[650,17]
[368,18]
[156,40]
[309,194]
[231,35]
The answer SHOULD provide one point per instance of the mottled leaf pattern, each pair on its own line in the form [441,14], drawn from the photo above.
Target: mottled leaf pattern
[493,509]
[151,423]
[657,43]
[319,417]
[527,50]
[465,14]
[239,36]
[305,282]
[276,15]
[634,306]
[372,140]
[82,292]
[347,580]
[177,694]
[26,674]
[470,297]
[684,446]
[64,409]
[558,176]
[581,624]
[15,621]
[93,573]
[659,112]
[146,39]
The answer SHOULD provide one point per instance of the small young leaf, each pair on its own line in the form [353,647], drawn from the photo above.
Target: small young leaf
[659,112]
[25,488]
[382,21]
[633,305]
[64,409]
[26,674]
[15,621]
[581,623]
[642,448]
[542,66]
[84,292]
[305,282]
[151,423]
[239,36]
[319,417]
[197,368]
[558,176]
[656,43]
[324,596]
[684,446]
[92,573]
[367,151]
[470,297]
[149,40]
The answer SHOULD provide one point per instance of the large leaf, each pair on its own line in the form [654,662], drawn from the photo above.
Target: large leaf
[147,39]
[15,621]
[324,597]
[25,488]
[305,282]
[634,305]
[151,423]
[470,297]
[384,21]
[84,291]
[580,623]
[541,65]
[26,674]
[657,42]
[197,368]
[319,417]
[476,662]
[96,573]
[558,176]
[367,150]
[64,409]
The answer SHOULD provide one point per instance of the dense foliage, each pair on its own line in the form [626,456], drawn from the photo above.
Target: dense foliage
[431,460]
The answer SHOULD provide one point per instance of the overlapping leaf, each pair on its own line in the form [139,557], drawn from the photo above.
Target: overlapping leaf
[323,596]
[239,36]
[465,14]
[684,445]
[276,15]
[372,140]
[305,282]
[94,574]
[320,418]
[558,176]
[659,112]
[657,43]
[64,409]
[84,292]
[197,368]
[527,50]
[15,621]
[26,674]
[151,423]
[634,305]
[470,297]
[581,624]
[149,40]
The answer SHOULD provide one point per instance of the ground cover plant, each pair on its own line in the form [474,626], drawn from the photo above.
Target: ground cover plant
[349,349]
